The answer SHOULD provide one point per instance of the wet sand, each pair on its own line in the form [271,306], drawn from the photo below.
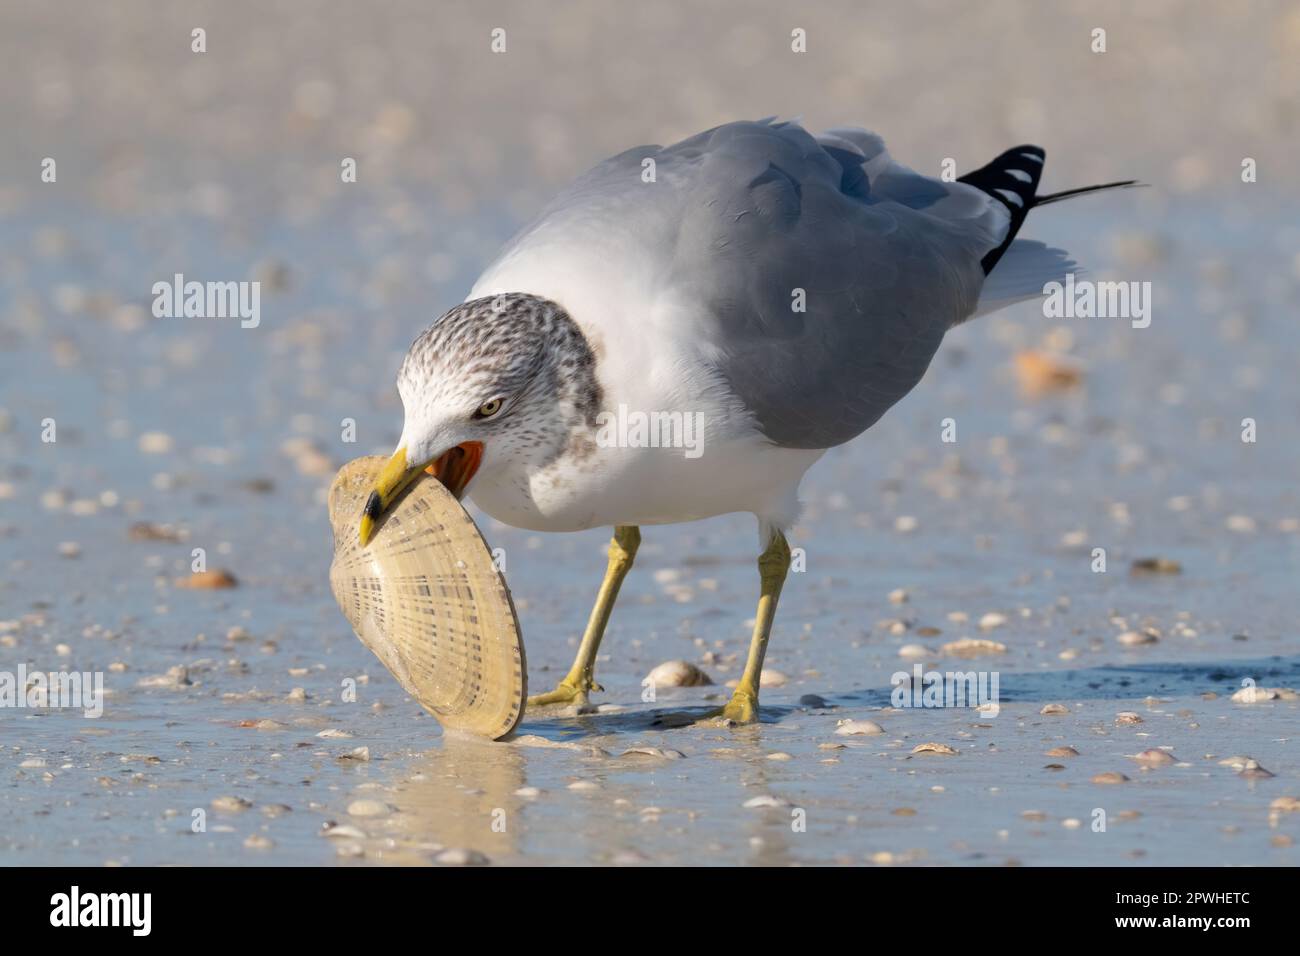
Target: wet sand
[177,434]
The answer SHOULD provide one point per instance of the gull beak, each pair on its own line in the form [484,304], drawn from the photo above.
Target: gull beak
[455,468]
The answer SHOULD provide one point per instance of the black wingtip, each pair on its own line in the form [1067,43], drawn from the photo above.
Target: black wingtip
[1012,179]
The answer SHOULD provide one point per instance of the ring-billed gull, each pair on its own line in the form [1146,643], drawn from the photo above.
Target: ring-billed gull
[773,290]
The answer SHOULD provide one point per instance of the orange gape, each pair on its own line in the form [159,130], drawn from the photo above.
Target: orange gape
[457,466]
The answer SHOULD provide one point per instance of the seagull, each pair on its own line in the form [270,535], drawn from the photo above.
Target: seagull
[769,291]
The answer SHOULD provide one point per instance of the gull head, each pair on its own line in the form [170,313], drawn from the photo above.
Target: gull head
[496,384]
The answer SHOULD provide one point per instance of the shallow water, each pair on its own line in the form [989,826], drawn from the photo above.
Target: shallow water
[1143,458]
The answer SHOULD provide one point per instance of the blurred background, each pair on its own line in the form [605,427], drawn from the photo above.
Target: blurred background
[175,434]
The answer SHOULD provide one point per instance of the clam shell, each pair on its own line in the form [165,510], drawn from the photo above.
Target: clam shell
[426,598]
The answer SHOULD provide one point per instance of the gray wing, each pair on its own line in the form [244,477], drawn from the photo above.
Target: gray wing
[826,274]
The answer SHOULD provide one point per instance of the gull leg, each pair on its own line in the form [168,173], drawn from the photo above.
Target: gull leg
[773,566]
[742,708]
[581,677]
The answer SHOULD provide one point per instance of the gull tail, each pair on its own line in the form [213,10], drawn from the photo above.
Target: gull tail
[1023,267]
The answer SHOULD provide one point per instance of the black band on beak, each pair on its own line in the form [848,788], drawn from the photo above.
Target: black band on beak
[374,506]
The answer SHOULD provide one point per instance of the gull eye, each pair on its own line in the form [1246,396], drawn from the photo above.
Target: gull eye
[489,408]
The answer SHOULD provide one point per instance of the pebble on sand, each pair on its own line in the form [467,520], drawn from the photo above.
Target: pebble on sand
[1128,717]
[1110,777]
[915,652]
[814,701]
[208,580]
[854,728]
[678,674]
[934,748]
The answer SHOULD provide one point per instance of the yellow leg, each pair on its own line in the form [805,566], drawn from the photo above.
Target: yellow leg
[773,566]
[742,708]
[581,677]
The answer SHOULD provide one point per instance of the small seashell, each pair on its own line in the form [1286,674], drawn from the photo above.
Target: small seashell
[1256,695]
[155,443]
[972,647]
[208,580]
[256,841]
[764,801]
[1128,717]
[1155,758]
[334,733]
[1253,771]
[1286,805]
[1136,638]
[369,808]
[342,831]
[1235,762]
[1110,777]
[1062,752]
[678,674]
[858,728]
[1042,372]
[915,652]
[231,804]
[991,620]
[662,752]
[772,678]
[934,748]
[898,596]
[1054,709]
